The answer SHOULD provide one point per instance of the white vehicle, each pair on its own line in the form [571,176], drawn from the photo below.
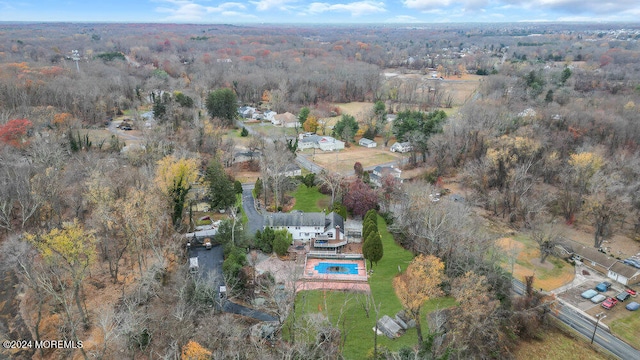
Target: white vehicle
[193,265]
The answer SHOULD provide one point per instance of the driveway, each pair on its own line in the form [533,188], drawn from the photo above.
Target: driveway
[248,204]
[210,266]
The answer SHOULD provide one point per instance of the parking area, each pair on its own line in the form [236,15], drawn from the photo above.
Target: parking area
[587,279]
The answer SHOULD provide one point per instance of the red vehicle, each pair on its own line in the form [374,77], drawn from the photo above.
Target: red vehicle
[631,292]
[609,303]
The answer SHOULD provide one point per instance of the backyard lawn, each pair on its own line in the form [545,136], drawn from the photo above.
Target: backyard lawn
[346,310]
[310,199]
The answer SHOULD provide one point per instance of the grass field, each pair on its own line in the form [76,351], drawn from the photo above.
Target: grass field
[310,199]
[347,310]
[550,275]
[555,344]
[628,327]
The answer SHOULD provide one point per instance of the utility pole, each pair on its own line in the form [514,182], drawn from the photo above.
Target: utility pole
[598,316]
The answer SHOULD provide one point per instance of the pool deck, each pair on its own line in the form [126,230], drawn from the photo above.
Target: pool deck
[313,280]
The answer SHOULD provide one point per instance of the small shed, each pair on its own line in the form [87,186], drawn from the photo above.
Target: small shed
[389,327]
[367,143]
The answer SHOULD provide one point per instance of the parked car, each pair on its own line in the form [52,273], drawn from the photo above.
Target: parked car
[633,306]
[598,298]
[609,303]
[603,286]
[632,292]
[589,294]
[623,296]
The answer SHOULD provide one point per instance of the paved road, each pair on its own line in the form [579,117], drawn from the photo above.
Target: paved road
[248,204]
[586,325]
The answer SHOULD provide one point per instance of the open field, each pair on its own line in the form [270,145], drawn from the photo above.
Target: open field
[342,161]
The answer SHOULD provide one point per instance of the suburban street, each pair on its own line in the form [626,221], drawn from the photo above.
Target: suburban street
[585,326]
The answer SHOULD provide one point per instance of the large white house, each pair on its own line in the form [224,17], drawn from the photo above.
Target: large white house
[306,226]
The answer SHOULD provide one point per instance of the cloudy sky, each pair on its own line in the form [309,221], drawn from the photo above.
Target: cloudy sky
[319,11]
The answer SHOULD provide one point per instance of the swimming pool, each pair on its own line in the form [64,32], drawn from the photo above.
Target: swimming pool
[337,268]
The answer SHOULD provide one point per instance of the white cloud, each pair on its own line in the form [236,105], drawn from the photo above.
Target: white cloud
[185,10]
[263,5]
[355,8]
[403,19]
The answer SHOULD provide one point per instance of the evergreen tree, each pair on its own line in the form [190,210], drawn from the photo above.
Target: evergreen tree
[222,104]
[372,248]
[222,193]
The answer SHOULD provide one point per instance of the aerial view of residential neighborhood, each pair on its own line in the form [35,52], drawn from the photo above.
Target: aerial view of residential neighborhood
[275,179]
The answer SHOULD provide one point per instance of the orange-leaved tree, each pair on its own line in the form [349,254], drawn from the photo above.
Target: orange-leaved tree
[419,283]
[15,132]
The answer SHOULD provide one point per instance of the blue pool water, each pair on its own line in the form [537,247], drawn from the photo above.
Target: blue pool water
[336,268]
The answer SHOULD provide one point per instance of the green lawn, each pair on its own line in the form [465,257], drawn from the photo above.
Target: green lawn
[628,328]
[347,310]
[310,199]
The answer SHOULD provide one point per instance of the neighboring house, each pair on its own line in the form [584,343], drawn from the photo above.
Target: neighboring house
[607,265]
[246,112]
[624,274]
[307,226]
[367,143]
[379,172]
[287,120]
[268,115]
[292,170]
[401,147]
[324,143]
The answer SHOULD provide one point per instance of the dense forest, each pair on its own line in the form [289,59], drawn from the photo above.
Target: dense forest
[91,226]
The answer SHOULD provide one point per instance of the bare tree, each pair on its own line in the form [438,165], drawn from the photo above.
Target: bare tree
[547,236]
[333,181]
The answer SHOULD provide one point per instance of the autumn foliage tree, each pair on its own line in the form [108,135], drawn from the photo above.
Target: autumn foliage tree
[174,178]
[194,351]
[360,198]
[419,283]
[15,132]
[71,249]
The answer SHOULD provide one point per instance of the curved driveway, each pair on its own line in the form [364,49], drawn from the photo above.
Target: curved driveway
[248,204]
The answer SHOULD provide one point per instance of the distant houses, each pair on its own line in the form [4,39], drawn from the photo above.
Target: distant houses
[324,143]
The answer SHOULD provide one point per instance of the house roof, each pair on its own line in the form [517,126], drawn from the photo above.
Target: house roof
[623,269]
[332,220]
[286,117]
[383,170]
[299,218]
[594,255]
[366,141]
[295,218]
[311,139]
